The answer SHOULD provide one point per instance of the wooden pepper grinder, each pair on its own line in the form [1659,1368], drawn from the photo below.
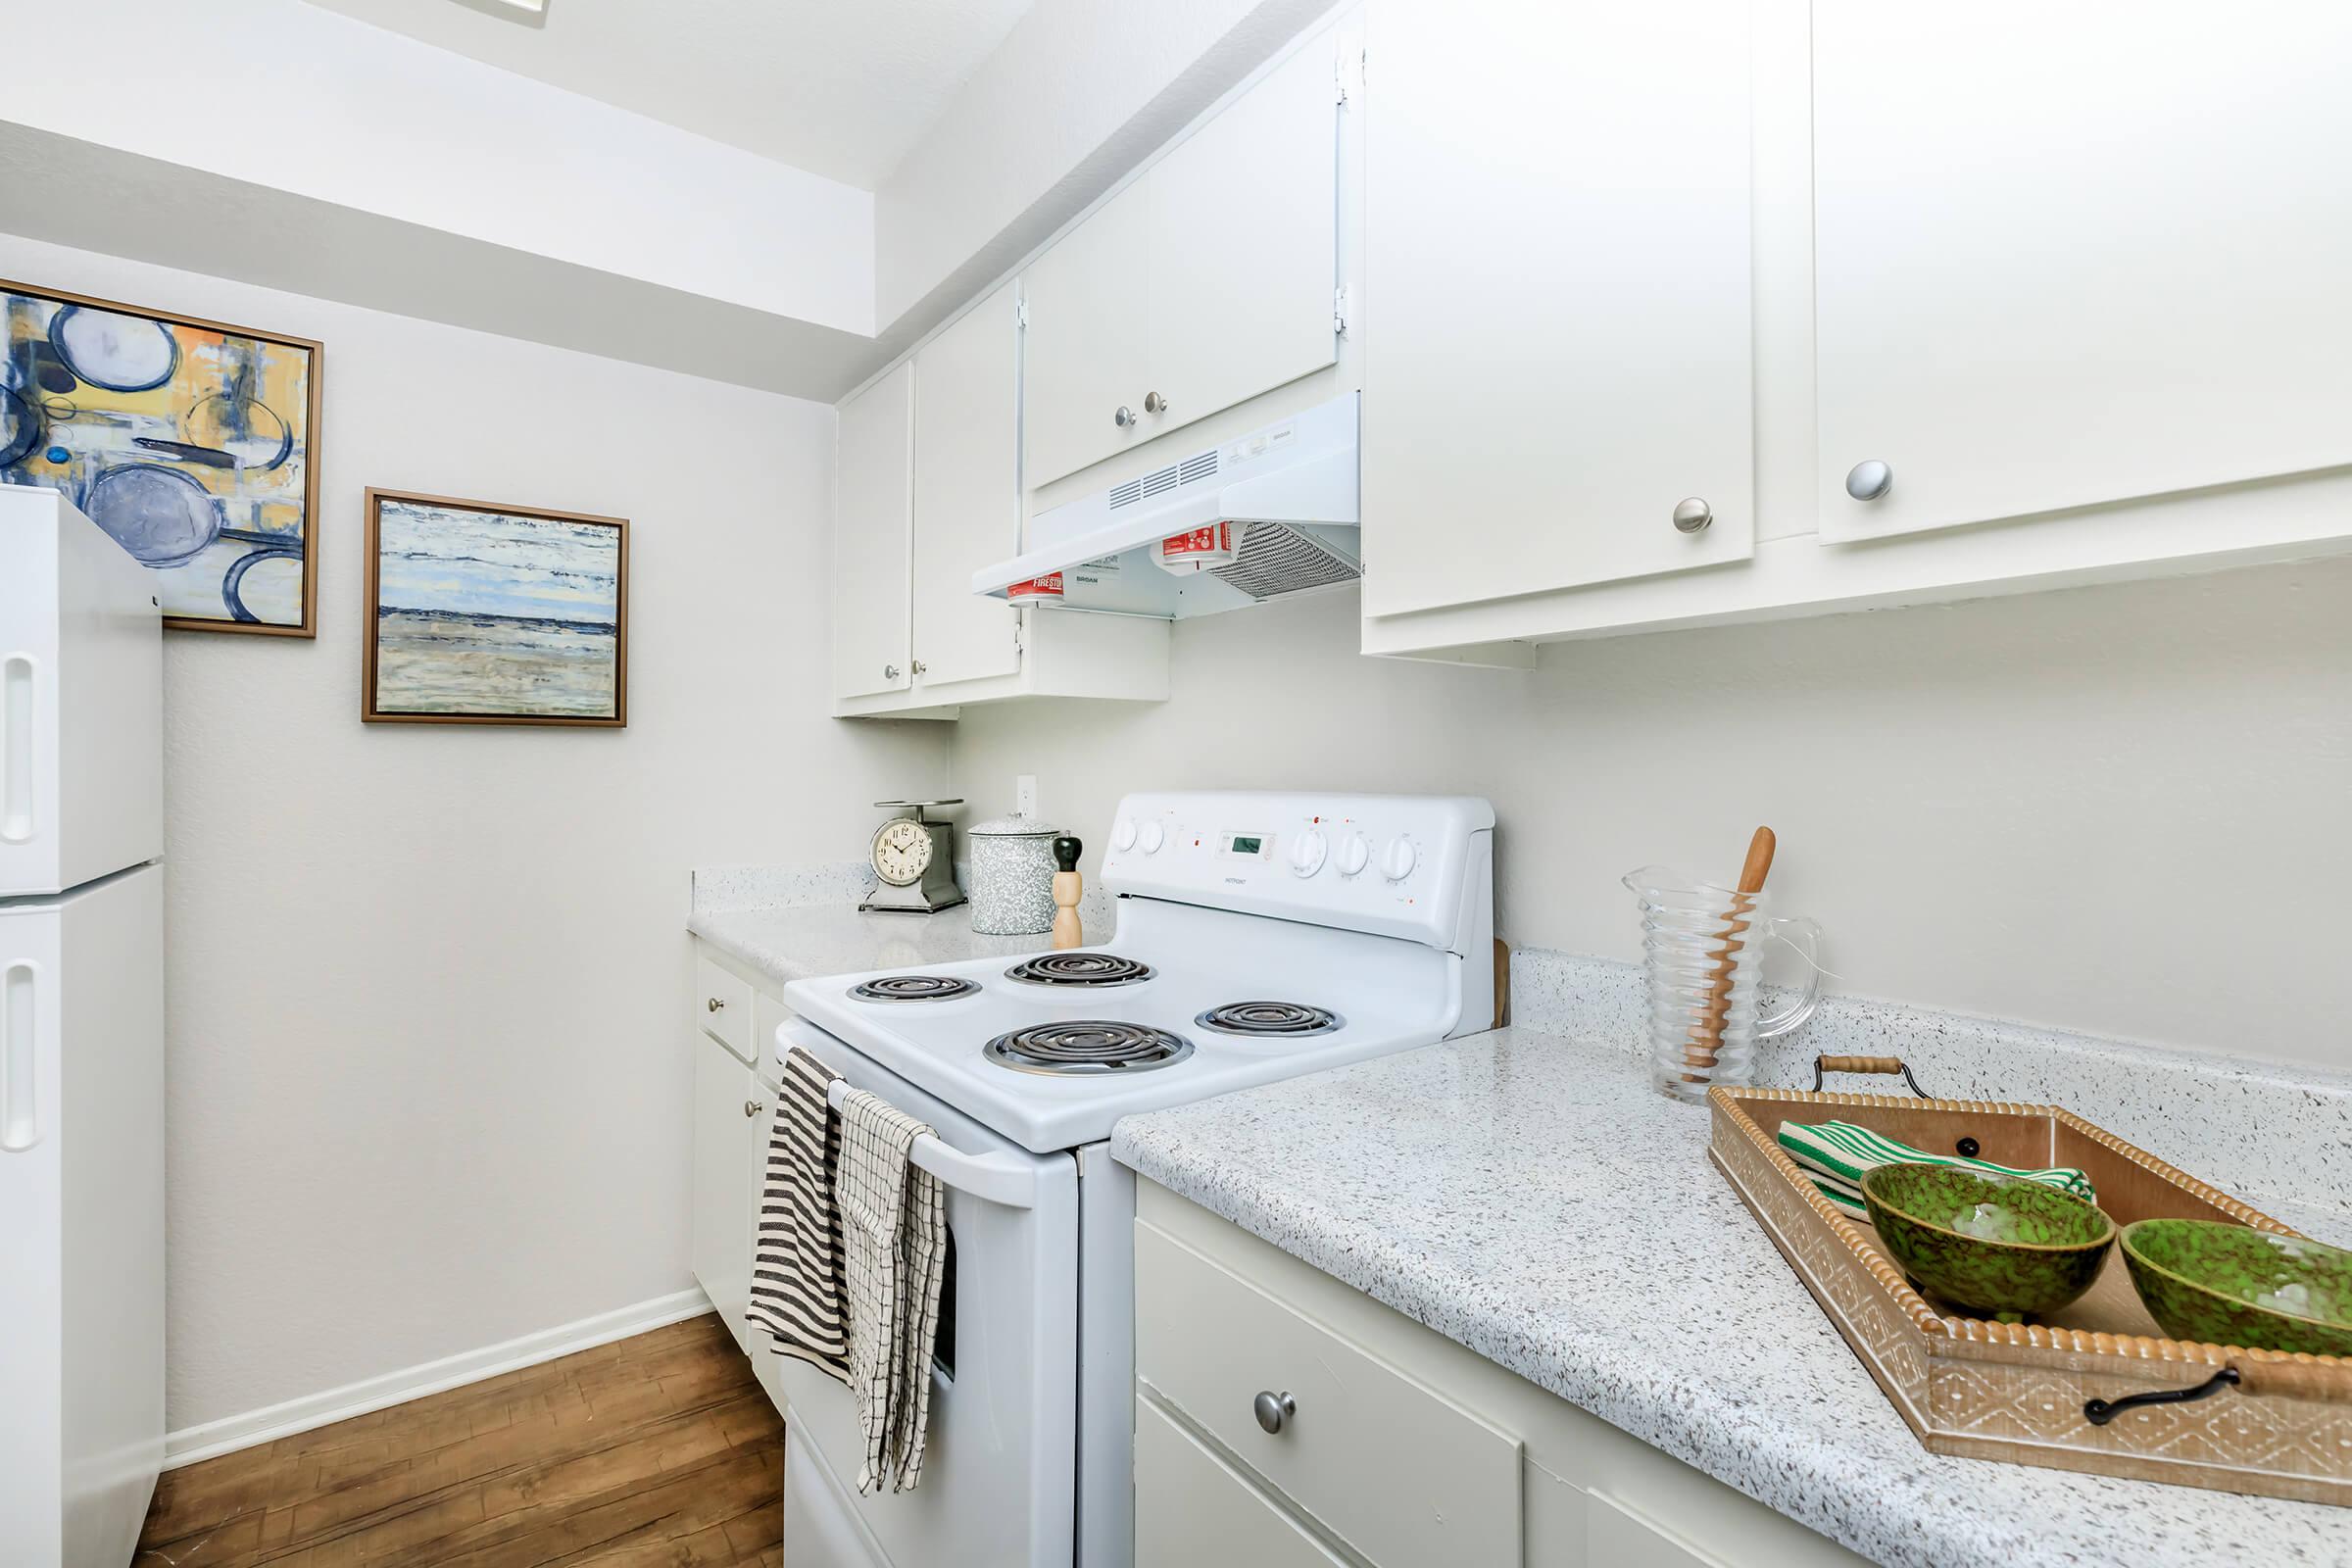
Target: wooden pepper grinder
[1067,886]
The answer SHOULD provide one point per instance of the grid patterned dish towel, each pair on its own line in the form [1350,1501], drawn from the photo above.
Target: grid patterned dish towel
[894,1223]
[1837,1154]
[797,1268]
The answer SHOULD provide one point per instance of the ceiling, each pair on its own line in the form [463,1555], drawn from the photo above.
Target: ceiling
[842,88]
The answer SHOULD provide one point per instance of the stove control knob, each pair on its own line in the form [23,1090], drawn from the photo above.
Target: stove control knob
[1152,836]
[1122,834]
[1355,852]
[1397,859]
[1308,850]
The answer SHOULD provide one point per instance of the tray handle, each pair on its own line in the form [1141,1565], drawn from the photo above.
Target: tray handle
[1879,1064]
[2291,1379]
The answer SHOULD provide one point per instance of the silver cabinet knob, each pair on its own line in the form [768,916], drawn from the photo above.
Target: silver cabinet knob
[1869,479]
[753,1108]
[920,666]
[1272,1409]
[1122,416]
[711,1003]
[889,673]
[1692,515]
[1154,403]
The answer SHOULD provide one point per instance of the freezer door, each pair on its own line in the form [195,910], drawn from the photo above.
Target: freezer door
[81,1181]
[81,700]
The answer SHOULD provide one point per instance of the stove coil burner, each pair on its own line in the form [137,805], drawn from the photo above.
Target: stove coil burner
[1079,969]
[1087,1048]
[912,988]
[1276,1020]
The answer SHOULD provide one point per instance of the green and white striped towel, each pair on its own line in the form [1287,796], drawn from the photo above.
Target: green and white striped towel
[1837,1154]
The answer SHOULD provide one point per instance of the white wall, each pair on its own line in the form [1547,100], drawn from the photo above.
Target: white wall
[429,1070]
[2118,809]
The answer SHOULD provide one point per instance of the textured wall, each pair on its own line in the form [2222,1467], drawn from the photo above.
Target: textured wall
[429,1067]
[2117,810]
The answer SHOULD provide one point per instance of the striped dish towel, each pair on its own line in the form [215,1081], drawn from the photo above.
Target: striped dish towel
[1837,1154]
[894,1224]
[796,1269]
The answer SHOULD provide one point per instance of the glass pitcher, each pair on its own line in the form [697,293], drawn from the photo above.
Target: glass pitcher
[1702,953]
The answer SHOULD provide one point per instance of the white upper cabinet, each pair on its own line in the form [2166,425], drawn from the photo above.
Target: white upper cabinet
[873,457]
[1557,350]
[2076,254]
[1208,280]
[967,493]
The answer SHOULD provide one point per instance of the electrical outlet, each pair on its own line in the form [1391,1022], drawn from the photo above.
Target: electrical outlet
[1024,794]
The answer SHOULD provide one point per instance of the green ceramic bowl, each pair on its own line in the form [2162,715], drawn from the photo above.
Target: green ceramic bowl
[1993,1245]
[2221,1284]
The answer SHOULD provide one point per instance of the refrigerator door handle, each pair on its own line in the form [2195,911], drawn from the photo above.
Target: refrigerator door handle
[17,686]
[19,1115]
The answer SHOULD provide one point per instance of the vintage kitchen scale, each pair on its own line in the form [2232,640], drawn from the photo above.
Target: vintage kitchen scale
[2097,1386]
[914,861]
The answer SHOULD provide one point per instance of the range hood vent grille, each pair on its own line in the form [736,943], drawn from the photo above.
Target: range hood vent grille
[1276,559]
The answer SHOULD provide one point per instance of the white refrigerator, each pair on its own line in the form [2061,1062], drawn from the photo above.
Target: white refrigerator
[81,1039]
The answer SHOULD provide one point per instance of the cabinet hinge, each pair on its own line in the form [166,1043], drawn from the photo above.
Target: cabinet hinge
[1021,313]
[1338,309]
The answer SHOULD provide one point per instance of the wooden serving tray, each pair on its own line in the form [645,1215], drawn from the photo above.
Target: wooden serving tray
[2260,1421]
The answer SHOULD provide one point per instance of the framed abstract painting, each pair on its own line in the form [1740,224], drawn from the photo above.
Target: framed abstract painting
[484,614]
[194,443]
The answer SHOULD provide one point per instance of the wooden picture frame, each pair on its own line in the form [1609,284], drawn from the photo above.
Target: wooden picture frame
[148,432]
[474,630]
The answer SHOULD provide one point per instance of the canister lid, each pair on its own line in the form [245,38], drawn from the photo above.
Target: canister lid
[1016,825]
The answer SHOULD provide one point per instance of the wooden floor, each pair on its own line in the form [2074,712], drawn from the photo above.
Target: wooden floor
[656,1450]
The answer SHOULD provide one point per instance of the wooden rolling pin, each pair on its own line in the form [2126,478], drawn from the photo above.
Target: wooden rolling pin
[1706,1031]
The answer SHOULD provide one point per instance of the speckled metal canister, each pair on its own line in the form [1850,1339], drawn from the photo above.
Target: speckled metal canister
[1013,876]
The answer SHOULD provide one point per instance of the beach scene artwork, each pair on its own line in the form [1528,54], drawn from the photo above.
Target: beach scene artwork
[495,615]
[192,443]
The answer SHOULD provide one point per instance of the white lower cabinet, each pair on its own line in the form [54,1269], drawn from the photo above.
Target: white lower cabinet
[732,1105]
[1282,1418]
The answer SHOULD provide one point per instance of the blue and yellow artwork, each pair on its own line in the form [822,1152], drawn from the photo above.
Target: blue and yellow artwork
[493,615]
[192,443]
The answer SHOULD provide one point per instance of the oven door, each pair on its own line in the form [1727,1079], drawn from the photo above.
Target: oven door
[999,1472]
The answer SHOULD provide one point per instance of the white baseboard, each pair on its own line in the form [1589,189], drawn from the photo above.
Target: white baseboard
[212,1439]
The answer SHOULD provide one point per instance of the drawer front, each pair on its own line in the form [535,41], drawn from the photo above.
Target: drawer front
[722,1005]
[1614,1532]
[1192,1508]
[1401,1473]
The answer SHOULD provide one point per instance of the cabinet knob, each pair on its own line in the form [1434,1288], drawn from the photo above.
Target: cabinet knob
[1869,479]
[1272,1409]
[1692,515]
[1123,417]
[1154,403]
[711,1003]
[753,1108]
[920,666]
[889,673]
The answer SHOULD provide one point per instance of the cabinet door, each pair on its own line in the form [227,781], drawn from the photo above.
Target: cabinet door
[1557,286]
[1243,246]
[1084,348]
[875,459]
[720,1246]
[1191,1508]
[968,491]
[2075,254]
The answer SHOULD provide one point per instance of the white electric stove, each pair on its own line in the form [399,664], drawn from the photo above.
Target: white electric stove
[1259,936]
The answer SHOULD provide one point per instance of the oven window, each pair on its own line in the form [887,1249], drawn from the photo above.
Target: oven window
[943,1349]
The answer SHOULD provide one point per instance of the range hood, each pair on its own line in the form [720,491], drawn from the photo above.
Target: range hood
[1264,516]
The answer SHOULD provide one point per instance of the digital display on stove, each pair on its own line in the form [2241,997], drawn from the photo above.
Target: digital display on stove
[1245,846]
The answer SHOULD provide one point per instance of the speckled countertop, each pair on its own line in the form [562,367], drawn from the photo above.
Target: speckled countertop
[1529,1196]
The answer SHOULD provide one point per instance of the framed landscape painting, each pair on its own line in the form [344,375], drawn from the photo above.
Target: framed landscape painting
[484,614]
[193,443]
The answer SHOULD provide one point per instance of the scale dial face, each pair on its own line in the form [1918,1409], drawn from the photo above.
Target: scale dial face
[902,852]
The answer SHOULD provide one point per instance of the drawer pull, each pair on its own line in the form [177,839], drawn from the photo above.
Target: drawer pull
[1273,1409]
[711,1005]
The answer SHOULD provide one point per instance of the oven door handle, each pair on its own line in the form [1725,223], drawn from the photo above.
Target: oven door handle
[1005,1180]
